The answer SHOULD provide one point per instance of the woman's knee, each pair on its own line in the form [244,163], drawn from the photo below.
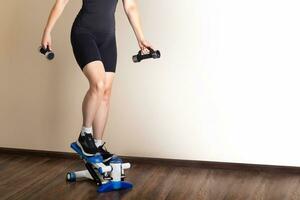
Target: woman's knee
[97,87]
[106,95]
[95,73]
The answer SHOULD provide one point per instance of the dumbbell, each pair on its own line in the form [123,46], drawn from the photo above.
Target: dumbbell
[47,52]
[153,54]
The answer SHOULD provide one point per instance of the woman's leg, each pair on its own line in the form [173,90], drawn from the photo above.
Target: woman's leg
[95,73]
[101,116]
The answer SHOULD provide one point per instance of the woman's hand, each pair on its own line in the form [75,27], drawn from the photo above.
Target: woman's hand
[46,41]
[144,45]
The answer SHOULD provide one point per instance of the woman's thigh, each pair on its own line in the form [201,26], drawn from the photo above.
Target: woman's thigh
[95,72]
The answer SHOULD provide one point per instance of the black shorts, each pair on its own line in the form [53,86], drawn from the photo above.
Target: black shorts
[93,34]
[88,47]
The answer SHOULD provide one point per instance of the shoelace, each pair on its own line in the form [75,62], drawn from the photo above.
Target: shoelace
[104,148]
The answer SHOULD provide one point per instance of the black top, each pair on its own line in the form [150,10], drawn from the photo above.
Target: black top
[97,15]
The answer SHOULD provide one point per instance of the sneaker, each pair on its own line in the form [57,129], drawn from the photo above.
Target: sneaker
[87,144]
[104,153]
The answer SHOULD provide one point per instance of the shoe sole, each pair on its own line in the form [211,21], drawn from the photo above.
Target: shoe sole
[87,154]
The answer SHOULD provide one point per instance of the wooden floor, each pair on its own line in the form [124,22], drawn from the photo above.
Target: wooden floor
[37,177]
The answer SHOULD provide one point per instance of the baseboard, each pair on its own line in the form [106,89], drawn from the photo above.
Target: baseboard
[43,153]
[162,161]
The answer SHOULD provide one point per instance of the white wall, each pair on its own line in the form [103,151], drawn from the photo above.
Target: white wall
[225,88]
[250,67]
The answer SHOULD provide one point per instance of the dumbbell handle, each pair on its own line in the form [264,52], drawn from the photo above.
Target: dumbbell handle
[145,56]
[152,54]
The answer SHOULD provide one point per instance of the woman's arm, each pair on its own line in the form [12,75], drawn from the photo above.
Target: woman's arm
[131,10]
[55,13]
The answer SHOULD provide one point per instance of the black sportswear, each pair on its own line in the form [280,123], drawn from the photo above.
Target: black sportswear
[93,34]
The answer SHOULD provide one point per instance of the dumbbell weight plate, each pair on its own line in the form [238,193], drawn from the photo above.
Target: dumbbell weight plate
[156,54]
[50,55]
[135,59]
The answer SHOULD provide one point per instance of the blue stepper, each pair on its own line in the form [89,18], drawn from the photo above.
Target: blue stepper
[114,185]
[116,159]
[111,185]
[91,159]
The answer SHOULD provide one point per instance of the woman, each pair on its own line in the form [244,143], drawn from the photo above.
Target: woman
[94,47]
